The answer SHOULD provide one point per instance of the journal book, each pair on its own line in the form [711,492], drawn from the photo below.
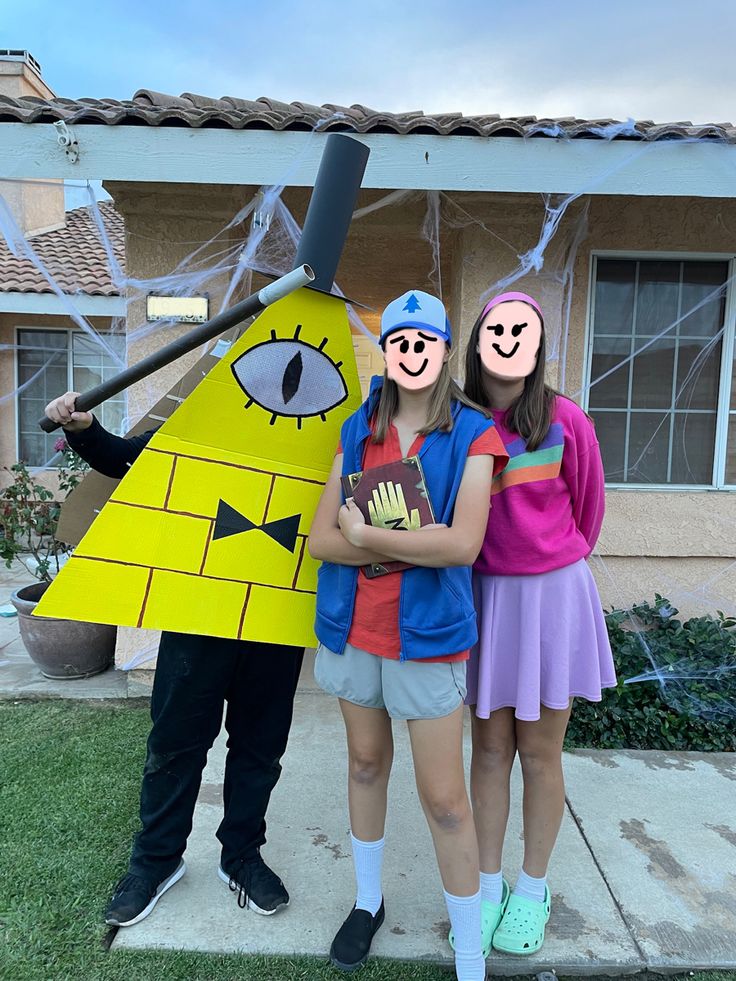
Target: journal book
[392,496]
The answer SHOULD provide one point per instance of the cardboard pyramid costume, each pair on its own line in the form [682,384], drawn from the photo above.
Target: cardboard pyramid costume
[207,532]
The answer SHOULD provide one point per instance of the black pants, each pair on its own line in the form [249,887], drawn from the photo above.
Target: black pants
[195,676]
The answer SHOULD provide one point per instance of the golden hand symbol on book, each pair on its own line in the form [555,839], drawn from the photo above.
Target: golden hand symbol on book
[381,494]
[388,509]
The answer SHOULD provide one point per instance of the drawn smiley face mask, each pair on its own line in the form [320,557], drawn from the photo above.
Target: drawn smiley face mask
[414,358]
[509,337]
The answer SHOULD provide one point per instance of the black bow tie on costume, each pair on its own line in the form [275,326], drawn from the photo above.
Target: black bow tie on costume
[231,522]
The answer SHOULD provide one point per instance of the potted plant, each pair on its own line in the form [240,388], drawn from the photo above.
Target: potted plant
[29,514]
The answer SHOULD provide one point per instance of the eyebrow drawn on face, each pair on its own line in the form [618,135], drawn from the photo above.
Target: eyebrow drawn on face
[395,340]
[428,337]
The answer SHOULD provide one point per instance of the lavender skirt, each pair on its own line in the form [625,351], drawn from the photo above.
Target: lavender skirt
[542,641]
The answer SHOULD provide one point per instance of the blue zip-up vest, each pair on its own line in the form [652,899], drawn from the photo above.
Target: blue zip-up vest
[436,612]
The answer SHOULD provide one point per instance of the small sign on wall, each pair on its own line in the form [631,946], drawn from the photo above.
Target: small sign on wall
[184,309]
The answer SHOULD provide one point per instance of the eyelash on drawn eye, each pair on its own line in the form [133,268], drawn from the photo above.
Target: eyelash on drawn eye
[290,378]
[517,329]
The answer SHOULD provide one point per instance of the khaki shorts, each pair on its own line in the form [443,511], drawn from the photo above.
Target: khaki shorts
[405,689]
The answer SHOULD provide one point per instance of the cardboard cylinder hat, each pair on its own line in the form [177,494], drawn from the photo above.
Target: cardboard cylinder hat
[331,208]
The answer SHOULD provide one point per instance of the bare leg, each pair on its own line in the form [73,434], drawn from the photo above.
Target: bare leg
[540,751]
[437,748]
[494,749]
[370,755]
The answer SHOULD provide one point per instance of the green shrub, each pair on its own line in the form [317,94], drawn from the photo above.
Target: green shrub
[29,514]
[685,698]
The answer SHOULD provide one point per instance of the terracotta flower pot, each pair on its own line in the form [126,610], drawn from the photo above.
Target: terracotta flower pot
[62,649]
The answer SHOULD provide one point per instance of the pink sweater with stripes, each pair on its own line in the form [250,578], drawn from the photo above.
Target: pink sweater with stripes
[546,506]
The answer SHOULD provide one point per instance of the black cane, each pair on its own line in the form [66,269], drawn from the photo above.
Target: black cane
[298,277]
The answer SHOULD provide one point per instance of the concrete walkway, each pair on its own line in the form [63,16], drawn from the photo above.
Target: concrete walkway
[643,877]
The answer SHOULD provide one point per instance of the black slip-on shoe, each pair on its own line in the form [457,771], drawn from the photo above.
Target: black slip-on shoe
[135,897]
[352,942]
[258,887]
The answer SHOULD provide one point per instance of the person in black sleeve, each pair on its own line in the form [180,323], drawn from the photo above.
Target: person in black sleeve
[195,677]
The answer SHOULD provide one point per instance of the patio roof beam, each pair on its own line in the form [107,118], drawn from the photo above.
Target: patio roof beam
[183,155]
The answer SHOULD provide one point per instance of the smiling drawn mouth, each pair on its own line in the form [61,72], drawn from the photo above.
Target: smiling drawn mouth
[424,365]
[512,352]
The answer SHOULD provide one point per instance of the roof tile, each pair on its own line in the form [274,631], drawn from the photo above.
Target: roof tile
[190,109]
[74,256]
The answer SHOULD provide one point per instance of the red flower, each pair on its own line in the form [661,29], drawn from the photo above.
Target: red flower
[60,445]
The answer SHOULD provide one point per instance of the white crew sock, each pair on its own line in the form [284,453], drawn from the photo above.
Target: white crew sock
[368,860]
[529,887]
[491,887]
[464,913]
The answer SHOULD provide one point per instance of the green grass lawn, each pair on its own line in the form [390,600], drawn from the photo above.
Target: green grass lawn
[69,781]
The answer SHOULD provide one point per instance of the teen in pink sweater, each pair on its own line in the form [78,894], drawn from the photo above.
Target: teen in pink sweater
[542,633]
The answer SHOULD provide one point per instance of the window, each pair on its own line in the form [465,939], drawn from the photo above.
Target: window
[51,362]
[658,386]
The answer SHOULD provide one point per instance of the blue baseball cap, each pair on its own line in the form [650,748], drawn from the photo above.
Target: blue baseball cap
[418,310]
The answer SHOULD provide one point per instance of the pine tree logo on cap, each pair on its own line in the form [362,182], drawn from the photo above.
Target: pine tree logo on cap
[418,310]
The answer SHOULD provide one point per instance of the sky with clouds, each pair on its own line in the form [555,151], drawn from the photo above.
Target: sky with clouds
[648,59]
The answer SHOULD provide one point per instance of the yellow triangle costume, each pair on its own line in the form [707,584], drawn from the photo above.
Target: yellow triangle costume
[207,531]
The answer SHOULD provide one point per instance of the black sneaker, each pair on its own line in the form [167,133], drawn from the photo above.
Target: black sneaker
[135,897]
[257,886]
[352,942]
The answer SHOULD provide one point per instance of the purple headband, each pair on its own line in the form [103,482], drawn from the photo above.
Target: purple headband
[507,297]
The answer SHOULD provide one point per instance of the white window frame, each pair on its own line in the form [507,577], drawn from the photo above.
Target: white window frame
[719,484]
[69,331]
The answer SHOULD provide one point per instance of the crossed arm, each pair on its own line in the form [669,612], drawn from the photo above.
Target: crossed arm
[340,534]
[326,542]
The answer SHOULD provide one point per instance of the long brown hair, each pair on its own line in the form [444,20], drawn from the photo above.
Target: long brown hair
[531,414]
[439,415]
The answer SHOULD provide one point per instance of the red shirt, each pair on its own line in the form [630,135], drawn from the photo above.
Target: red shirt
[375,624]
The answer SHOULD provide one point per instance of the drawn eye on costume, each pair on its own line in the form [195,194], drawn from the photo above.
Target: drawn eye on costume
[496,328]
[517,329]
[291,378]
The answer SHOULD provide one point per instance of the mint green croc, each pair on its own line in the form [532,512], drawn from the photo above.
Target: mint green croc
[490,917]
[521,930]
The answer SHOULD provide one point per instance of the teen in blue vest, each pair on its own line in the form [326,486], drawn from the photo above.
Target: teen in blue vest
[395,647]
